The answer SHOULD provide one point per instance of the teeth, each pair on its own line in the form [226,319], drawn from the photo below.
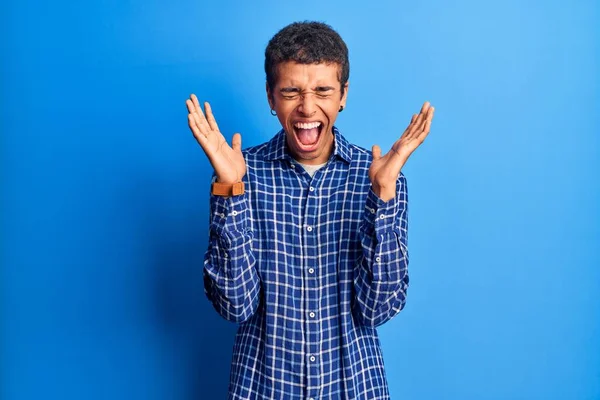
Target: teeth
[307,125]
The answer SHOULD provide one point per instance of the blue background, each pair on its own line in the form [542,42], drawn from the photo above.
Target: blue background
[105,192]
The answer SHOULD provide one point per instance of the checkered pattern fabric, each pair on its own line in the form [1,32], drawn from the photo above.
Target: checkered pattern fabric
[308,267]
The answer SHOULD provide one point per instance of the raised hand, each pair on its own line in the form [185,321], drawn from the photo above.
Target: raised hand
[385,169]
[228,162]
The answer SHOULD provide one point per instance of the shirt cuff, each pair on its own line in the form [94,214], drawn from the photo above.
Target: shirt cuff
[380,215]
[229,216]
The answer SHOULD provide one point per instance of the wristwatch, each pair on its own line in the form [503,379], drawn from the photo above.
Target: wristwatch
[227,189]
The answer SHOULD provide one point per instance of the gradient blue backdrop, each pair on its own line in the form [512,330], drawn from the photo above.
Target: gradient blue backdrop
[105,192]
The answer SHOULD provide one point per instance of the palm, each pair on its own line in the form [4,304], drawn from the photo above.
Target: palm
[227,161]
[385,169]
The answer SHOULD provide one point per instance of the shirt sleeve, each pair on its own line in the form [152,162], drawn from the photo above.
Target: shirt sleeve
[381,278]
[231,282]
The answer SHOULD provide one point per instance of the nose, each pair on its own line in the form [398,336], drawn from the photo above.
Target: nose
[307,105]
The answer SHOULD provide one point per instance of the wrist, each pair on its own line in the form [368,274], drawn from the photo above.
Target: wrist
[226,181]
[385,193]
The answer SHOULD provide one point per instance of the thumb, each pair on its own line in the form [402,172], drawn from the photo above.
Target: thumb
[376,152]
[236,142]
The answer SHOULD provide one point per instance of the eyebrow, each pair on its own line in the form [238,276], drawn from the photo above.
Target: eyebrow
[289,90]
[323,88]
[296,90]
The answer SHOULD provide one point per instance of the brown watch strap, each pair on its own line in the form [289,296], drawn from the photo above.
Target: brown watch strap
[227,189]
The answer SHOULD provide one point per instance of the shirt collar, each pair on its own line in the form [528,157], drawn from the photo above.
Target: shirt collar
[277,148]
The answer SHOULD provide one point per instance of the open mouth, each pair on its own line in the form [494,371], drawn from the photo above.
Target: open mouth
[308,133]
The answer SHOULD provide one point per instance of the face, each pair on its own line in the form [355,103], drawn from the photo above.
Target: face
[307,99]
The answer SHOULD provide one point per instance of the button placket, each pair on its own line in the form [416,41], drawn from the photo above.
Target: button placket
[311,251]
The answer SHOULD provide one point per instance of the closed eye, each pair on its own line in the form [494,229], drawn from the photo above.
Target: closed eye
[324,91]
[293,93]
[290,93]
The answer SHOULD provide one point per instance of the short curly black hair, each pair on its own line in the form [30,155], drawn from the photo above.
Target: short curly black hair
[306,42]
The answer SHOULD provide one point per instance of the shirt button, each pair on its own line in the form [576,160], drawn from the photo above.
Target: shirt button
[234,213]
[378,259]
[312,314]
[381,216]
[311,270]
[312,189]
[309,228]
[372,210]
[313,358]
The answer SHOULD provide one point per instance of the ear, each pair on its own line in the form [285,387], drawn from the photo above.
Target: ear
[345,95]
[270,96]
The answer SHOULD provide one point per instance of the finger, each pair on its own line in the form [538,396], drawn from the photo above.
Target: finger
[423,134]
[430,114]
[410,125]
[195,101]
[376,150]
[420,135]
[415,127]
[426,123]
[193,109]
[202,128]
[421,122]
[198,134]
[210,117]
[236,142]
[426,128]
[199,117]
[413,121]
[418,123]
[191,106]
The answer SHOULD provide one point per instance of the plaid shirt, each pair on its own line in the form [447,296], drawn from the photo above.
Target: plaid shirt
[308,267]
